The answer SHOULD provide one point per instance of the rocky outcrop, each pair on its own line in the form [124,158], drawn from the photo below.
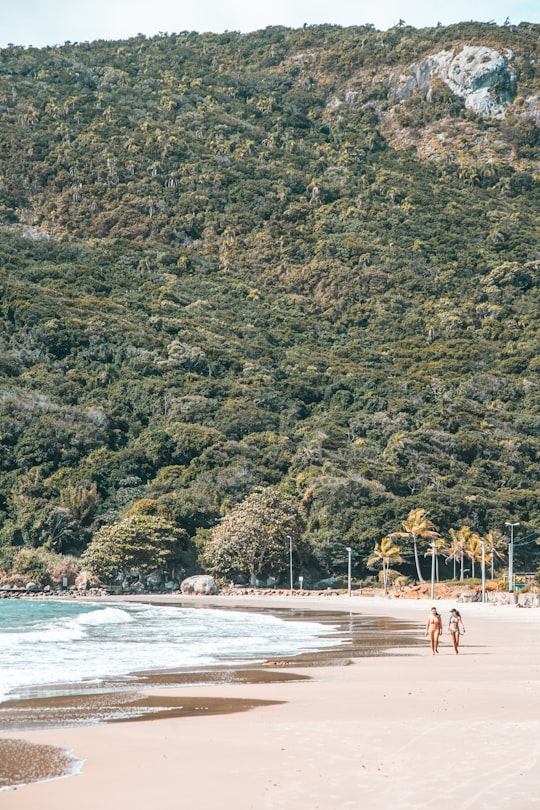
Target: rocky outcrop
[154,579]
[36,234]
[85,580]
[532,109]
[33,586]
[134,587]
[481,76]
[200,585]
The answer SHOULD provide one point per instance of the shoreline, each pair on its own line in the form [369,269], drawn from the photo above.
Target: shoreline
[345,638]
[132,697]
[450,705]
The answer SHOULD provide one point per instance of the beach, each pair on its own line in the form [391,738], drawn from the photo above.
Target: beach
[404,729]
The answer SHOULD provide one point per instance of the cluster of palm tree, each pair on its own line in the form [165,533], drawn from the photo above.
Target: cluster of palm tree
[464,544]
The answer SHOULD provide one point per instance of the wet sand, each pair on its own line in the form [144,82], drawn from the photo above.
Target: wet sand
[402,729]
[23,762]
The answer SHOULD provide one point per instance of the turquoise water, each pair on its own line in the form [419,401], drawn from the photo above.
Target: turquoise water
[51,642]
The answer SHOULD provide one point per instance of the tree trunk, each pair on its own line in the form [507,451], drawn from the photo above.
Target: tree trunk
[461,575]
[417,561]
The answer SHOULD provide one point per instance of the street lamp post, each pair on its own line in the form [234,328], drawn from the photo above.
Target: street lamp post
[432,571]
[349,552]
[289,538]
[483,570]
[511,557]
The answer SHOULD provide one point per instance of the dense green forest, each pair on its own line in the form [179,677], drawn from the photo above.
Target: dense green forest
[231,261]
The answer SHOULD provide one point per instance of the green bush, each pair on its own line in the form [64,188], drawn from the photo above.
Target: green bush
[32,564]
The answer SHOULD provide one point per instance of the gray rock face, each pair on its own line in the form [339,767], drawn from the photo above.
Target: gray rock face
[33,586]
[201,585]
[153,580]
[480,75]
[532,109]
[135,586]
[84,580]
[36,234]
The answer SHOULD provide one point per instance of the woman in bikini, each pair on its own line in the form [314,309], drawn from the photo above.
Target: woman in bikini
[455,626]
[434,629]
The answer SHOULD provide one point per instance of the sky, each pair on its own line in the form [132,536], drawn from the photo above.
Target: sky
[53,22]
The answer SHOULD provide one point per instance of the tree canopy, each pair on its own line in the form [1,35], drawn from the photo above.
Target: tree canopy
[255,538]
[139,542]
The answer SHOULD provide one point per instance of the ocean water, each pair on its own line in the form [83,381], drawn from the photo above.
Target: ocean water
[57,642]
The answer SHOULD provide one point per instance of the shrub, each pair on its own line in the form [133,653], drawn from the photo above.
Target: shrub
[44,566]
[32,564]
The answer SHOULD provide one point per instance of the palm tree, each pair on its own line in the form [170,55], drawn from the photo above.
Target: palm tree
[473,549]
[494,541]
[417,525]
[437,547]
[383,554]
[458,545]
[465,543]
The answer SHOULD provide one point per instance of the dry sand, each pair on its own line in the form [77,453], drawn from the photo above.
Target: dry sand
[406,731]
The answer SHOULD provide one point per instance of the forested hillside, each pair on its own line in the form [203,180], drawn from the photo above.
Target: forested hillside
[275,259]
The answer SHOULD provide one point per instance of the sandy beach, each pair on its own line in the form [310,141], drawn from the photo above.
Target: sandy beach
[407,730]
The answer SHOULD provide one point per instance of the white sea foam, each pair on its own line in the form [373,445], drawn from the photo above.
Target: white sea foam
[47,642]
[108,615]
[51,635]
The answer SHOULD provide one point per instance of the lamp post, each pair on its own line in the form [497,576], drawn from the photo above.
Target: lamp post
[432,571]
[289,538]
[483,570]
[349,552]
[511,557]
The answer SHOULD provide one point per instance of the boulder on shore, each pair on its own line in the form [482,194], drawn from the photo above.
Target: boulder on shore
[85,580]
[153,580]
[33,587]
[199,585]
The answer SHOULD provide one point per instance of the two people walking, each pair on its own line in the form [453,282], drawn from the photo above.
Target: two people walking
[434,629]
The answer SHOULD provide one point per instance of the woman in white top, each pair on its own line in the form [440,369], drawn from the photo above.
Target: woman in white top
[455,626]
